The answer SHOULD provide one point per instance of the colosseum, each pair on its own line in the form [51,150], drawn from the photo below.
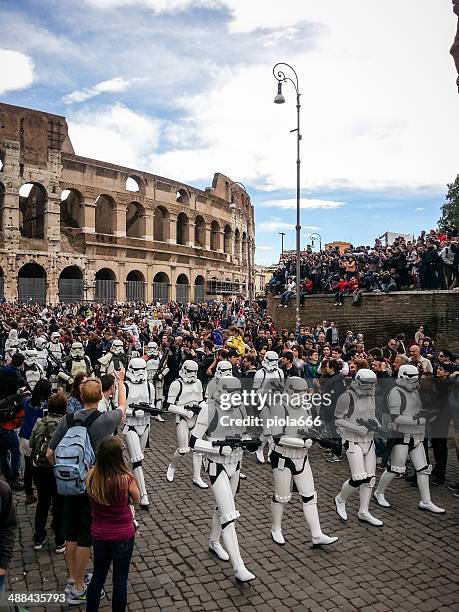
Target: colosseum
[74,228]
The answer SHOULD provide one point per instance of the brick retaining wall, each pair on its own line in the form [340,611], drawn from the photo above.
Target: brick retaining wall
[381,315]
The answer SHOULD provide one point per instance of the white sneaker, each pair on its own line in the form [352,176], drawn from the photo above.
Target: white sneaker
[170,473]
[368,518]
[199,482]
[144,501]
[278,537]
[242,574]
[260,457]
[341,508]
[242,476]
[381,500]
[159,418]
[431,507]
[323,540]
[218,550]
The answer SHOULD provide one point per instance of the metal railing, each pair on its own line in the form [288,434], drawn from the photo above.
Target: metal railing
[105,291]
[71,289]
[135,291]
[181,293]
[161,292]
[32,290]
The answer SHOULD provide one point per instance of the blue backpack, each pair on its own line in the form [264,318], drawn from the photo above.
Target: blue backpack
[74,456]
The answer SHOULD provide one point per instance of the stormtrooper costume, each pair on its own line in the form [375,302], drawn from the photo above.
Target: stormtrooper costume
[56,354]
[22,345]
[41,346]
[358,402]
[75,363]
[404,405]
[289,461]
[32,369]
[268,375]
[223,369]
[112,361]
[11,345]
[155,377]
[137,428]
[183,392]
[223,467]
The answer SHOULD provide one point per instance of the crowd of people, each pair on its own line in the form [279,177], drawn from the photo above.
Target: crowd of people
[430,262]
[231,336]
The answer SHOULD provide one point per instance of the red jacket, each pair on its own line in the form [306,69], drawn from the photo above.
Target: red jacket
[340,286]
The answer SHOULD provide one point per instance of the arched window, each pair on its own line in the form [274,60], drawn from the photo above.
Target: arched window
[105,218]
[244,248]
[181,289]
[71,208]
[32,284]
[182,196]
[215,236]
[105,285]
[161,288]
[227,239]
[135,286]
[199,288]
[32,205]
[2,204]
[71,285]
[134,184]
[135,220]
[200,232]
[182,229]
[161,225]
[237,243]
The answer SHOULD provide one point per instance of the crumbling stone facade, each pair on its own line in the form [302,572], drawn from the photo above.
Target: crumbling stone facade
[74,228]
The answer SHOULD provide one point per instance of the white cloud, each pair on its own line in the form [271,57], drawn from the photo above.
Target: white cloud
[115,134]
[265,248]
[114,85]
[17,70]
[159,6]
[419,209]
[274,225]
[310,203]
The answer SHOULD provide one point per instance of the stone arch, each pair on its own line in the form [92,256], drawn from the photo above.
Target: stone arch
[135,286]
[183,229]
[200,232]
[33,200]
[182,289]
[2,205]
[72,208]
[161,224]
[199,288]
[135,184]
[244,248]
[237,243]
[32,283]
[135,220]
[71,284]
[105,289]
[215,236]
[105,215]
[227,237]
[161,284]
[182,196]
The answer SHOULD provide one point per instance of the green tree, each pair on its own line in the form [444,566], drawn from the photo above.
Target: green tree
[450,209]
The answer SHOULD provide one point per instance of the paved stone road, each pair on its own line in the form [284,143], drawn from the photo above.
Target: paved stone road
[409,564]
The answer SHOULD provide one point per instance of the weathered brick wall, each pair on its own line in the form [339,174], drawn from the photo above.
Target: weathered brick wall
[381,315]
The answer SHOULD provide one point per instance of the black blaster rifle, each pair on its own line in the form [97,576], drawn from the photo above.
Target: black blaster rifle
[195,408]
[375,427]
[316,436]
[250,445]
[145,407]
[427,414]
[163,361]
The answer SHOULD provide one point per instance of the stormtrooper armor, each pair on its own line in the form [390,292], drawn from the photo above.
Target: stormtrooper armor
[56,354]
[41,346]
[223,466]
[404,406]
[155,376]
[32,369]
[268,376]
[22,345]
[223,369]
[358,402]
[75,363]
[112,361]
[137,428]
[185,394]
[289,461]
[11,345]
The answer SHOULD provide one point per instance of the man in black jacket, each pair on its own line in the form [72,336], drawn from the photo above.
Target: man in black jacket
[8,527]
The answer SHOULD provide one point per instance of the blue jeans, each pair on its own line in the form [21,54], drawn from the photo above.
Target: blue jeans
[10,456]
[105,552]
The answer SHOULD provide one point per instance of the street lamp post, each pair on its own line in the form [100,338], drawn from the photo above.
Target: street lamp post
[319,237]
[281,77]
[249,237]
[282,234]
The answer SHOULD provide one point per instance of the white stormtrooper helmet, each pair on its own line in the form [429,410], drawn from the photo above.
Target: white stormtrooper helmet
[31,357]
[55,337]
[295,384]
[22,344]
[270,361]
[189,371]
[364,383]
[223,369]
[152,349]
[77,351]
[41,343]
[13,336]
[137,370]
[227,385]
[117,347]
[408,377]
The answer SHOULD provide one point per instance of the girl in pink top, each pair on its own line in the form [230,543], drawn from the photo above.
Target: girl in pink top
[111,489]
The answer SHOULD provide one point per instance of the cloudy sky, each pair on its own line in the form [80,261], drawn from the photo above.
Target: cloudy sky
[184,88]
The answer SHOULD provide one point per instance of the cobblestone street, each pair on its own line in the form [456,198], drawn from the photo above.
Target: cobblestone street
[409,564]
